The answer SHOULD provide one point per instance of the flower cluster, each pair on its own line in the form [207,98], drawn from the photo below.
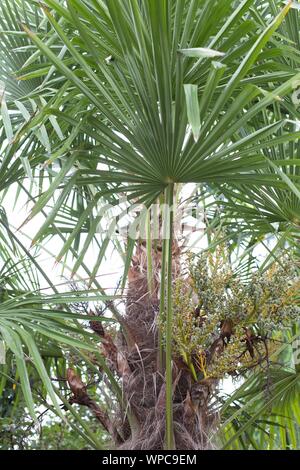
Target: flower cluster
[223,324]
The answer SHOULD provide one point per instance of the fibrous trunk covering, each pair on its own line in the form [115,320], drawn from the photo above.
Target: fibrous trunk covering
[135,360]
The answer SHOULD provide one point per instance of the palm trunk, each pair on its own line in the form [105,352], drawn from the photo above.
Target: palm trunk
[149,386]
[144,382]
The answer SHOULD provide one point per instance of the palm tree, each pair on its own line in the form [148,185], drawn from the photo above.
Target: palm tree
[138,98]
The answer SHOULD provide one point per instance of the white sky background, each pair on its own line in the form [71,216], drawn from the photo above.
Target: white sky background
[111,267]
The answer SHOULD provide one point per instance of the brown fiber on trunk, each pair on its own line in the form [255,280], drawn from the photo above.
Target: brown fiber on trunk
[144,387]
[142,378]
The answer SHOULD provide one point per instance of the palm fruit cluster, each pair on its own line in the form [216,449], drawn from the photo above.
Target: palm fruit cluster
[224,324]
